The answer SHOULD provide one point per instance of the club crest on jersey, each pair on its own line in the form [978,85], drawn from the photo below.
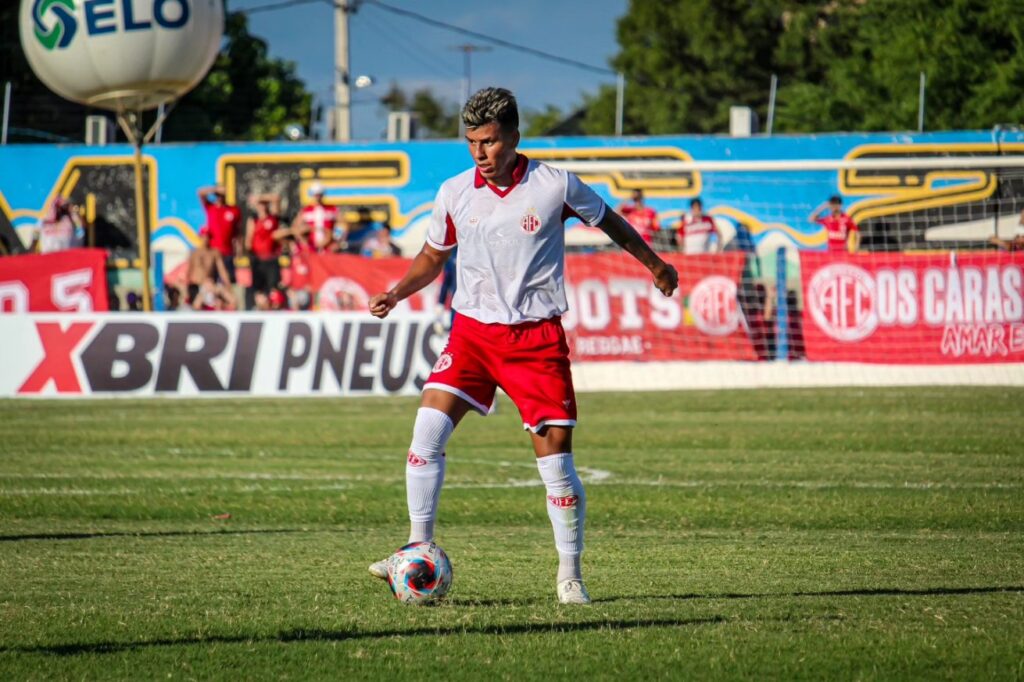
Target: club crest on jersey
[415,460]
[443,362]
[530,223]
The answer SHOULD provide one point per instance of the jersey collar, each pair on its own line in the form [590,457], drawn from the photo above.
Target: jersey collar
[517,175]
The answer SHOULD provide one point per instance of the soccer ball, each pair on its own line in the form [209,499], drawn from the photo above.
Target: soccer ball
[419,573]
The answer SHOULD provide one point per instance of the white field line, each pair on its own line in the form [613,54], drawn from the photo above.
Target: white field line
[590,476]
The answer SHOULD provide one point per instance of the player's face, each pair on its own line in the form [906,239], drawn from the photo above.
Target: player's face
[494,152]
[836,208]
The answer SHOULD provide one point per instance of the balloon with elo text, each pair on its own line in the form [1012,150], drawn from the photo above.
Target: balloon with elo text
[122,55]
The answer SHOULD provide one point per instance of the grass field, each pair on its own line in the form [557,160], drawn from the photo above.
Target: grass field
[757,534]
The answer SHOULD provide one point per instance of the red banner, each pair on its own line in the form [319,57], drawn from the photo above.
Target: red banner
[74,280]
[914,309]
[615,313]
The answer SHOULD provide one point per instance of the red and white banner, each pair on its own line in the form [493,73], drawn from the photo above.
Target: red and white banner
[914,309]
[197,354]
[615,312]
[67,281]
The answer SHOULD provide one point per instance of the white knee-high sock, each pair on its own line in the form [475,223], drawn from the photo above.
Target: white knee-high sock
[424,470]
[567,505]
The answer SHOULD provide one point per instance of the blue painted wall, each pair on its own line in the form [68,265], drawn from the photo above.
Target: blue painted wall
[399,180]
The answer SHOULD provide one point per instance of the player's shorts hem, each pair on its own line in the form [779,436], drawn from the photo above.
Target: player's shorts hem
[549,422]
[478,406]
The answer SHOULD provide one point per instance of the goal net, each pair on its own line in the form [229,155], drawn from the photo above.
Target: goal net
[933,277]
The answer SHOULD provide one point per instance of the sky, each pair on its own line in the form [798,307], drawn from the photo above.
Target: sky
[400,49]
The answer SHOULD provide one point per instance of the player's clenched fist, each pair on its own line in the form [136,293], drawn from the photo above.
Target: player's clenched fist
[381,304]
[666,279]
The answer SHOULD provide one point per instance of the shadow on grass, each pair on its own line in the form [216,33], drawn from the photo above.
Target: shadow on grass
[865,592]
[318,635]
[148,534]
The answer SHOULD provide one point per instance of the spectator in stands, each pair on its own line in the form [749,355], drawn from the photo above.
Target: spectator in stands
[643,218]
[315,225]
[379,244]
[1014,244]
[263,237]
[207,275]
[359,230]
[276,300]
[62,228]
[172,296]
[222,223]
[696,229]
[843,234]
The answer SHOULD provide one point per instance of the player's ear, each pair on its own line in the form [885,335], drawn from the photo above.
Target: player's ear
[516,137]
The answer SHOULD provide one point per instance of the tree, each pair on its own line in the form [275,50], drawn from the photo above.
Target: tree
[435,117]
[687,61]
[971,52]
[842,64]
[245,96]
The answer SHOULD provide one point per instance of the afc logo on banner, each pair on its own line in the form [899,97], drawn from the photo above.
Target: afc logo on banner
[713,306]
[849,303]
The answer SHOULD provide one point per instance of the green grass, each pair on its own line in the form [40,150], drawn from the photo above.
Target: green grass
[738,534]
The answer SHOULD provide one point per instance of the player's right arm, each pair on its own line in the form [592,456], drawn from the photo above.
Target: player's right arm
[425,268]
[622,233]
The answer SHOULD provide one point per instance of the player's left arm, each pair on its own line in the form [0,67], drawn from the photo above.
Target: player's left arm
[622,233]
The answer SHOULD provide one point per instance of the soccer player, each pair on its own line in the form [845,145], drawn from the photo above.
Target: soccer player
[695,230]
[843,233]
[506,215]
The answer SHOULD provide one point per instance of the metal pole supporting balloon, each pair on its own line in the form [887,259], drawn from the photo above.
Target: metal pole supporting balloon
[131,124]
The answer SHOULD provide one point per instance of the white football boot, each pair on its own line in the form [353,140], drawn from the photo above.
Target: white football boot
[572,591]
[379,569]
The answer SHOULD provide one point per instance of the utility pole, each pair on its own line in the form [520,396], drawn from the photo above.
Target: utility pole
[467,51]
[342,93]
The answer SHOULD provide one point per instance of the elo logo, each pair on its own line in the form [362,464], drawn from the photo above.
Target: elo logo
[842,302]
[105,16]
[62,31]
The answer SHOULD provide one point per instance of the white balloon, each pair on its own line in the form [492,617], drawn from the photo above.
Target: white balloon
[123,55]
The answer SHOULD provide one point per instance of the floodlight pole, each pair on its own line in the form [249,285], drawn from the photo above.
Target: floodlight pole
[620,102]
[7,111]
[342,72]
[467,51]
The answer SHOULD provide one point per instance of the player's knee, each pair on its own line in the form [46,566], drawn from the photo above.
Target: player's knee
[430,434]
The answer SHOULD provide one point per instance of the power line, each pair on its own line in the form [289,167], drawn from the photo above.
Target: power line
[483,36]
[402,41]
[270,7]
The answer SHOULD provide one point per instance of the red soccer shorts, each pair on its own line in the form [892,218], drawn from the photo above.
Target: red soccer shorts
[529,361]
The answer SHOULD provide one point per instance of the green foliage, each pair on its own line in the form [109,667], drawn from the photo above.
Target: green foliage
[764,534]
[435,117]
[246,95]
[842,64]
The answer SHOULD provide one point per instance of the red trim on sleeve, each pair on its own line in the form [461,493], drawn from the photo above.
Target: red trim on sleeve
[449,233]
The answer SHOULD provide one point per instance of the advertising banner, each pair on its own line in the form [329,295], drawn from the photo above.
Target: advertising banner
[67,281]
[274,354]
[615,312]
[947,308]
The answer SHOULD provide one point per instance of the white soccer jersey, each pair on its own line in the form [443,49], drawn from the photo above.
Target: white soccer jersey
[511,241]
